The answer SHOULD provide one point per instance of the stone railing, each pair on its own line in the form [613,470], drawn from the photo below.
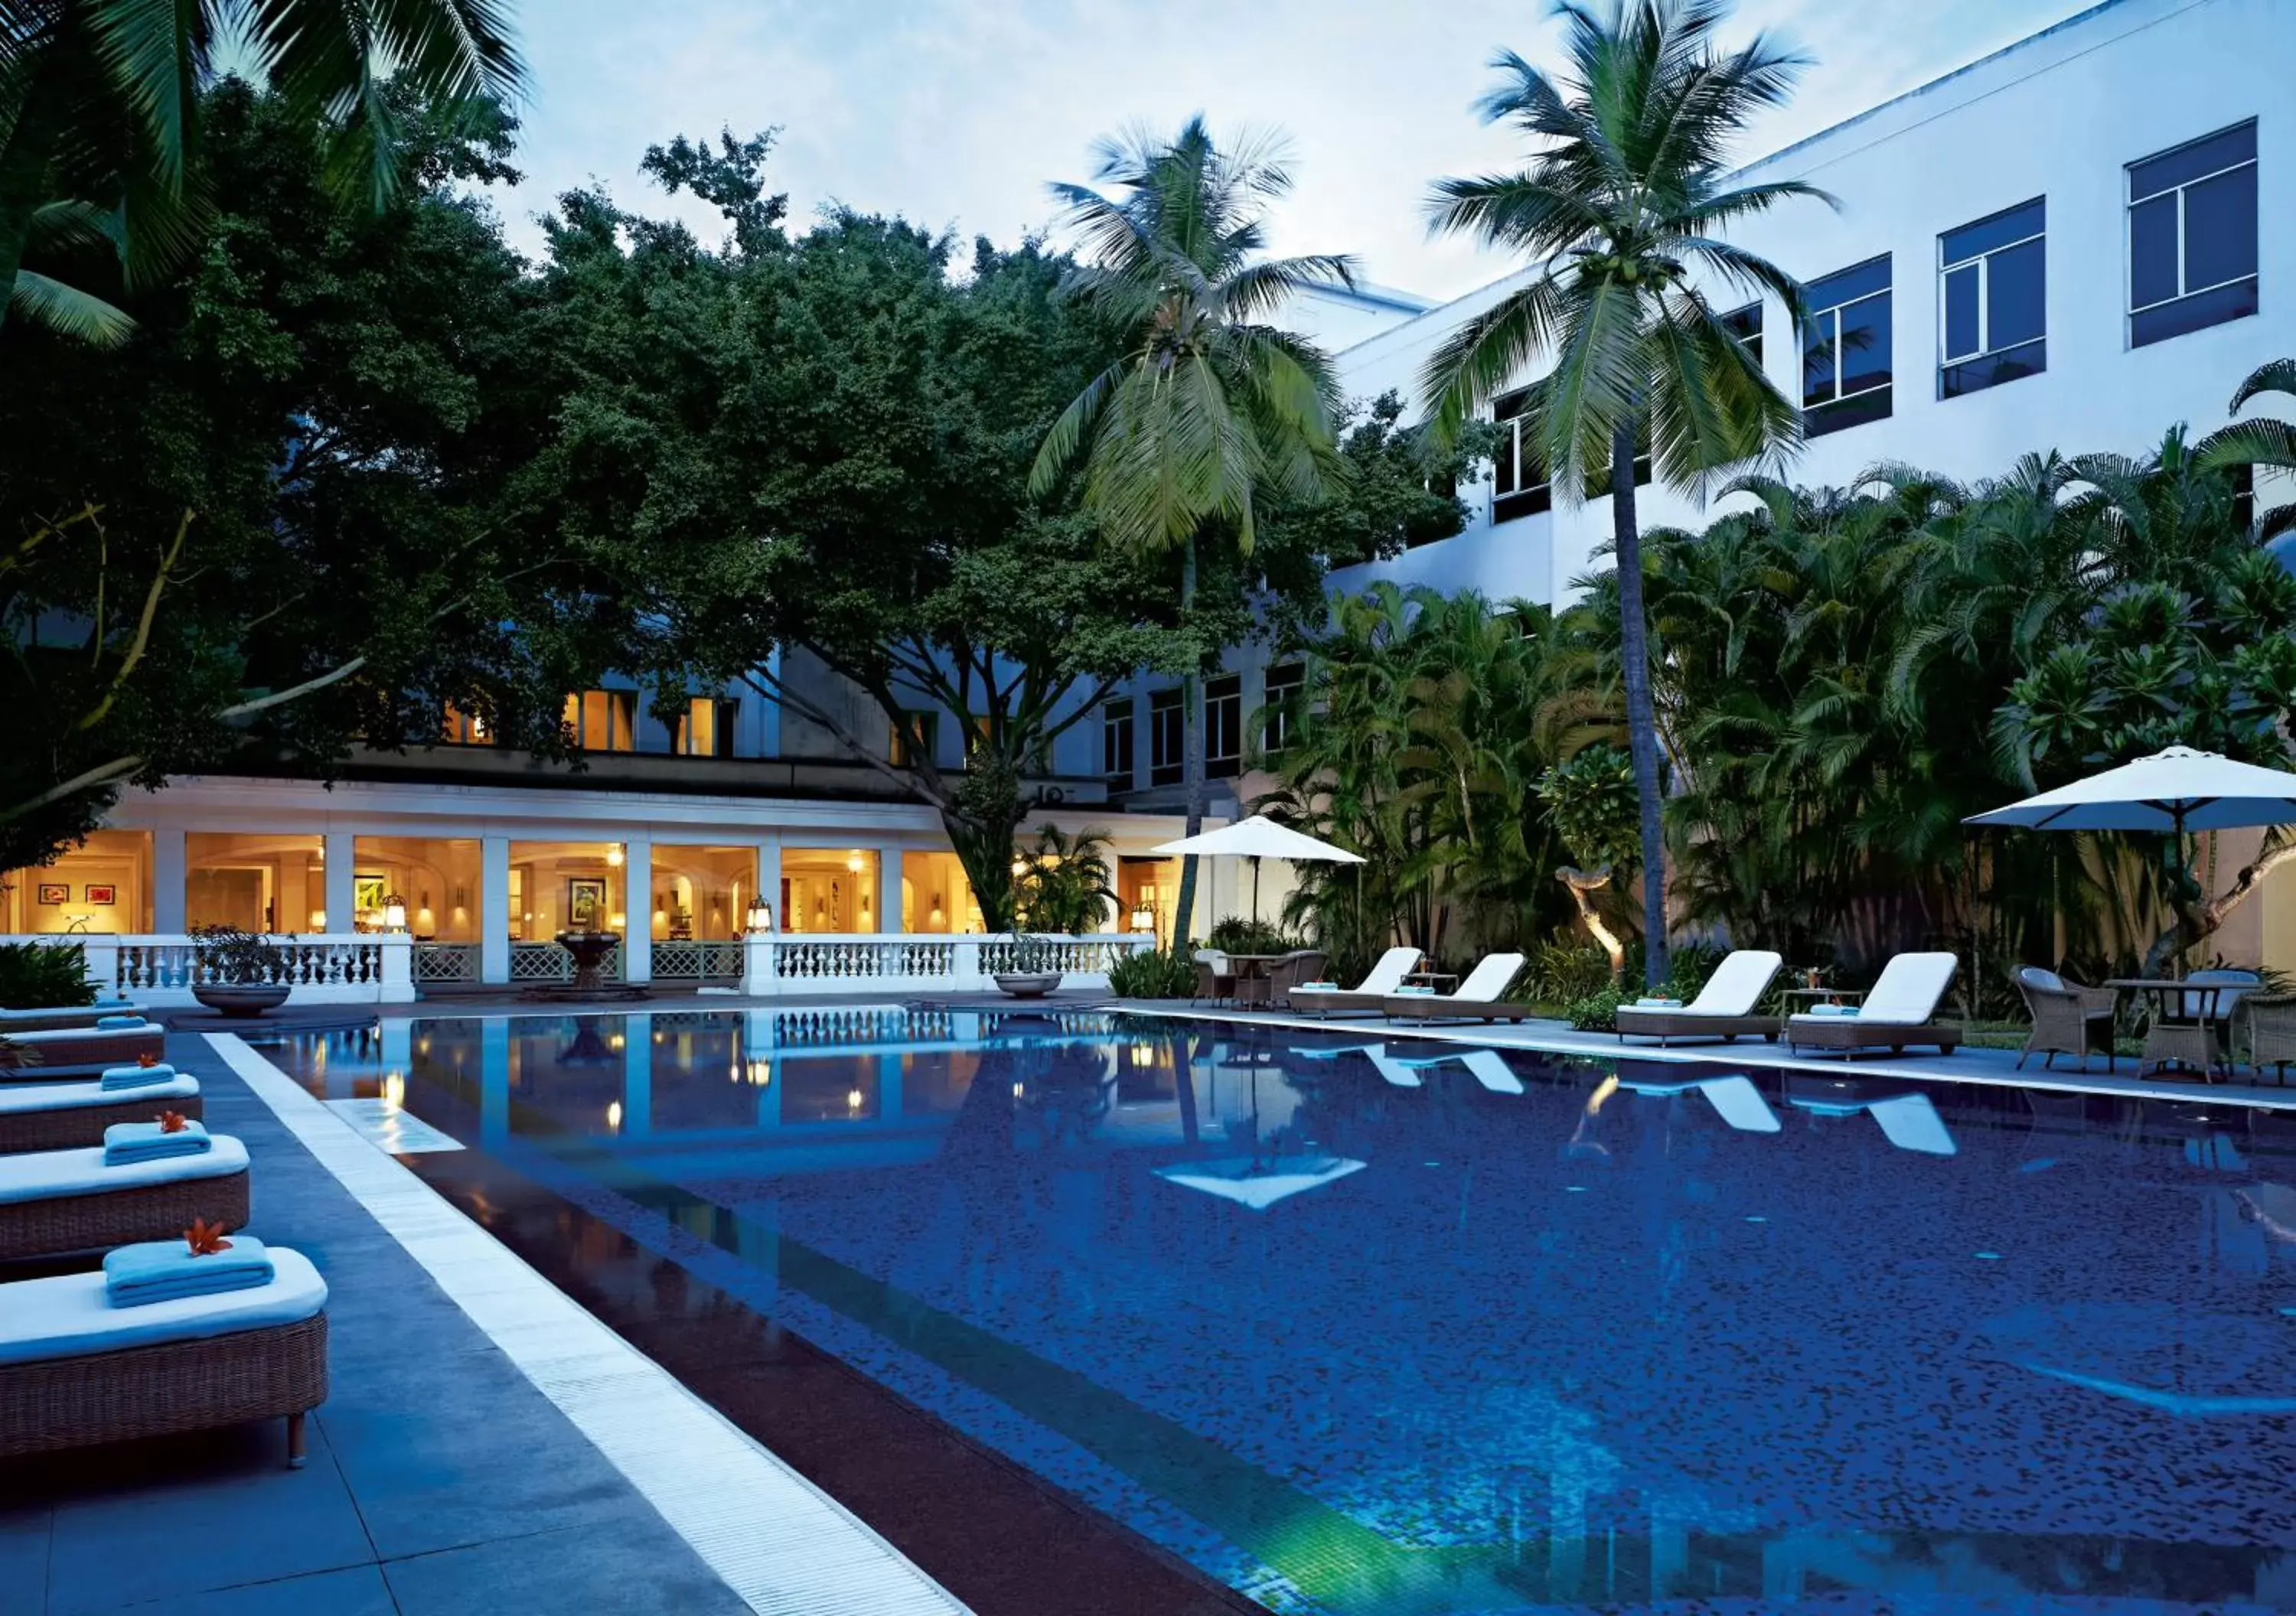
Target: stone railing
[787,964]
[331,968]
[689,961]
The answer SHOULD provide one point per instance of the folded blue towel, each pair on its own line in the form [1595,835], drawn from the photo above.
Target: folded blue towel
[117,1024]
[1832,1009]
[136,1077]
[164,1270]
[1658,1004]
[1415,993]
[1322,987]
[113,1002]
[128,1142]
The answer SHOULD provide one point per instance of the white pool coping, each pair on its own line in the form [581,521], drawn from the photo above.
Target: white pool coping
[1993,1068]
[785,1547]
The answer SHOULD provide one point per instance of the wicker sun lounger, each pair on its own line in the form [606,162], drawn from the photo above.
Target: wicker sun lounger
[63,1116]
[1477,999]
[1894,1015]
[1367,997]
[76,1371]
[1725,1008]
[56,1201]
[70,1051]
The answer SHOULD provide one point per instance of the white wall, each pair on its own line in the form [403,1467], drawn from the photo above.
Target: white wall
[2058,115]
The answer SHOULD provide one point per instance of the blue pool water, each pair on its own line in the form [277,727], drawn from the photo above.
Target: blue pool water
[1400,1329]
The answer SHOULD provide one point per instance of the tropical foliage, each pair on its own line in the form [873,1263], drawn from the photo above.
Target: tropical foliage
[1622,209]
[38,975]
[1154,973]
[1212,412]
[1065,882]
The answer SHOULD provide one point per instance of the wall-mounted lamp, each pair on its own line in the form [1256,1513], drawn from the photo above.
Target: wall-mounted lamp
[613,855]
[394,913]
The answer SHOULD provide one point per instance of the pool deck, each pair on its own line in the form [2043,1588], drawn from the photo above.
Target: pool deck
[442,1478]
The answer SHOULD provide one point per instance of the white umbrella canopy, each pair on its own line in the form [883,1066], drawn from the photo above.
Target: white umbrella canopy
[2178,790]
[1260,838]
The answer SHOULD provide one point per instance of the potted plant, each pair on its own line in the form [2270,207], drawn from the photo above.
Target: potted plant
[234,970]
[1035,970]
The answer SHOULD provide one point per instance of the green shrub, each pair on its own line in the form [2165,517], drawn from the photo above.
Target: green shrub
[1564,969]
[1154,973]
[1238,935]
[1596,1012]
[38,975]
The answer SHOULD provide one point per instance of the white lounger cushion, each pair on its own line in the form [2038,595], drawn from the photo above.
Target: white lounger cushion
[17,1099]
[1907,995]
[70,1012]
[1737,985]
[69,1316]
[1487,980]
[44,1175]
[64,1038]
[1384,977]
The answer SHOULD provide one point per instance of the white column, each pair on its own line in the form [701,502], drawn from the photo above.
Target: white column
[341,880]
[757,978]
[769,877]
[889,889]
[638,910]
[170,872]
[398,985]
[494,907]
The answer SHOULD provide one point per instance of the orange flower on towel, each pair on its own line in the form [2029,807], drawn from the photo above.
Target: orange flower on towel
[171,1122]
[147,1060]
[205,1238]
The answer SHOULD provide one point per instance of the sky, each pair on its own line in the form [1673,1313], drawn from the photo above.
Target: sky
[956,113]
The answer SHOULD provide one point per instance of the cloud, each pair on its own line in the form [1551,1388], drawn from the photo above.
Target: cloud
[956,113]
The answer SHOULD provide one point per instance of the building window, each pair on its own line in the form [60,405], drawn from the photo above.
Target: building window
[1746,325]
[603,721]
[2192,237]
[1845,348]
[1285,683]
[1992,286]
[460,728]
[924,724]
[1224,727]
[1519,486]
[1167,738]
[1116,740]
[705,729]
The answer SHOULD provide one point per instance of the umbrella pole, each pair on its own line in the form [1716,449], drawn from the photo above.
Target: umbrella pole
[1255,891]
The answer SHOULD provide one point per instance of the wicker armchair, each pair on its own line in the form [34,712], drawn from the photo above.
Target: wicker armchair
[1300,964]
[2068,1018]
[2271,1030]
[1214,979]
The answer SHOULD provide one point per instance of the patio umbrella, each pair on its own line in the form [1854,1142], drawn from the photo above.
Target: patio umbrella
[1256,839]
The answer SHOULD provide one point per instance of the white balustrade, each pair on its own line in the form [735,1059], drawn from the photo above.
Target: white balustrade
[332,968]
[789,964]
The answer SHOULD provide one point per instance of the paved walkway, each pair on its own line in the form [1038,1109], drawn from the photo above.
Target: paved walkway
[440,1480]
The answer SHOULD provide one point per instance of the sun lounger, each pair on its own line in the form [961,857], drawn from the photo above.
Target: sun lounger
[1725,1008]
[1896,1013]
[1477,999]
[1367,997]
[72,1051]
[55,1201]
[76,1370]
[61,1116]
[56,1017]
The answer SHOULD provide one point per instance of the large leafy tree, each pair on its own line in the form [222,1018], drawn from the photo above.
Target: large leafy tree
[802,464]
[102,105]
[1212,412]
[1622,209]
[286,518]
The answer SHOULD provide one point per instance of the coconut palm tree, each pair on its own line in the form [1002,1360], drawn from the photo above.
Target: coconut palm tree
[1618,211]
[1211,409]
[2267,444]
[99,116]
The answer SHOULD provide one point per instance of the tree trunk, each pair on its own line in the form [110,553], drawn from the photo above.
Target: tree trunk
[2198,922]
[983,819]
[1635,655]
[1583,884]
[1192,768]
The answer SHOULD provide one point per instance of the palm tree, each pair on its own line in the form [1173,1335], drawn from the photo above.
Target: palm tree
[99,116]
[2267,444]
[1211,408]
[1618,210]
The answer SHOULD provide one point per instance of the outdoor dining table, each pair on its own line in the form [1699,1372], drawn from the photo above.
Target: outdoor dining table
[1250,971]
[2170,1034]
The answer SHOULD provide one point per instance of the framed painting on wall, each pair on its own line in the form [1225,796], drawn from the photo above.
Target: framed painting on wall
[586,904]
[103,893]
[55,892]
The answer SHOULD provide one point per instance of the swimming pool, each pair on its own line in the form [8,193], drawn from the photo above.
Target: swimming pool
[1418,1329]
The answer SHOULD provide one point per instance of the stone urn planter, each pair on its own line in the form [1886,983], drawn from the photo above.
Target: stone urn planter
[240,998]
[1026,985]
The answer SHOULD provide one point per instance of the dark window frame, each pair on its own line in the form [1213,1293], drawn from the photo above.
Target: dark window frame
[1511,497]
[1117,756]
[1282,686]
[1876,402]
[1224,727]
[2192,308]
[1167,756]
[1989,364]
[1746,323]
